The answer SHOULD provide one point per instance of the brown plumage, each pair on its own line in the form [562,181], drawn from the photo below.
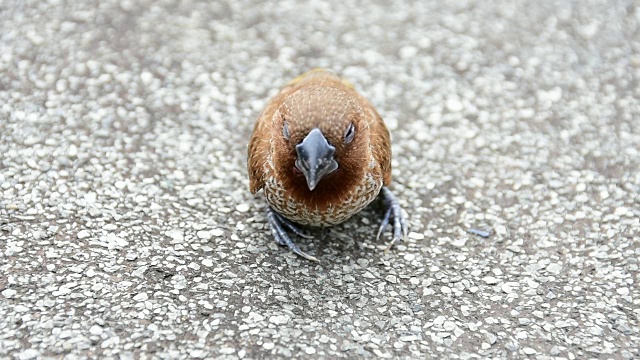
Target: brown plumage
[321,153]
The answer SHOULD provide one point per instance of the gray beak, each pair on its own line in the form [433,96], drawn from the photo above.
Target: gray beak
[315,158]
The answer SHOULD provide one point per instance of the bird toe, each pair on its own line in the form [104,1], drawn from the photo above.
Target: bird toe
[277,223]
[400,227]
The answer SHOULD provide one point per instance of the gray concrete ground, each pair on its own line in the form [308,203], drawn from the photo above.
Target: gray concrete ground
[127,229]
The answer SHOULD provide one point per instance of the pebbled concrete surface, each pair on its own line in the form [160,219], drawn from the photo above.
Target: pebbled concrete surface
[127,230]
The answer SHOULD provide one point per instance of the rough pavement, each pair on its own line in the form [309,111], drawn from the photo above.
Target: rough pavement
[127,229]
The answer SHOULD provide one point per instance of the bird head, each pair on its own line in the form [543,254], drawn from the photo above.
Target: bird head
[322,138]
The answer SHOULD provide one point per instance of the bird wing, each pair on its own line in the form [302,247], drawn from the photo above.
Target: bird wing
[381,143]
[258,151]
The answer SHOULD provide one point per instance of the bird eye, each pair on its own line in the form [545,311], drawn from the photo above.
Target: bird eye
[349,134]
[285,131]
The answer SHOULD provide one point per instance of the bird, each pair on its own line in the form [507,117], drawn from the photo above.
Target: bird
[321,153]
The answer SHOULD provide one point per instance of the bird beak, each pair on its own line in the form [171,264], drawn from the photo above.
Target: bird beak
[315,158]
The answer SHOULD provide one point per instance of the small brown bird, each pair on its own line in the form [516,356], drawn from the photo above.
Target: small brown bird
[321,153]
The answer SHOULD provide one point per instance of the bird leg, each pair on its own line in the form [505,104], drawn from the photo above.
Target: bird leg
[400,227]
[277,223]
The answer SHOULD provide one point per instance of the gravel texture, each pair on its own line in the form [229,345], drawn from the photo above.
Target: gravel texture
[127,230]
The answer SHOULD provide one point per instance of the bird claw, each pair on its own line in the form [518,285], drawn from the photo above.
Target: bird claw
[277,223]
[394,210]
[291,226]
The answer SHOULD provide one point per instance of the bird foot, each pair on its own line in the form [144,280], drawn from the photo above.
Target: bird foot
[394,210]
[278,223]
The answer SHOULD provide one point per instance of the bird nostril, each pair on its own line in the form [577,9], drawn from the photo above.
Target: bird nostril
[297,171]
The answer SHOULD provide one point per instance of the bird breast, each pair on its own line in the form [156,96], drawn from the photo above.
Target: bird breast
[318,210]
